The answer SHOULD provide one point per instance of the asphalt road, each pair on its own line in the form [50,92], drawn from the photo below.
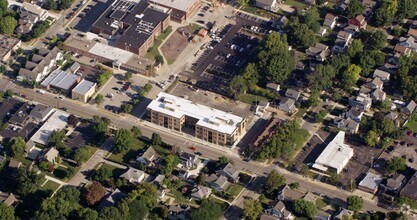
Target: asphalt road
[186,141]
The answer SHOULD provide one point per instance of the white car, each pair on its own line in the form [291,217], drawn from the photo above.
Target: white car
[41,91]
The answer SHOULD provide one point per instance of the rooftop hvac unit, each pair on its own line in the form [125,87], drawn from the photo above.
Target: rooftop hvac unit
[139,16]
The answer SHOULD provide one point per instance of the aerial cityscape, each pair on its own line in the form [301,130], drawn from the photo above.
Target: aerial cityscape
[208,109]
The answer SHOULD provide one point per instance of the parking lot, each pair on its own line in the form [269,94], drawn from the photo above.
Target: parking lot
[231,47]
[213,100]
[405,148]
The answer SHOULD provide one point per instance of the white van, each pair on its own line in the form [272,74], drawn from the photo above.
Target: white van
[41,91]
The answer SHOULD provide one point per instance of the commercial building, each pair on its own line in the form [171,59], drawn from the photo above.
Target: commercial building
[180,10]
[370,183]
[61,80]
[41,112]
[40,65]
[84,90]
[7,46]
[335,156]
[134,24]
[206,123]
[57,121]
[121,59]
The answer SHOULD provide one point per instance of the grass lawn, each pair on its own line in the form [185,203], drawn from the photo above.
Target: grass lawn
[115,171]
[411,124]
[130,155]
[300,218]
[163,152]
[24,161]
[251,99]
[260,12]
[234,189]
[50,186]
[300,112]
[295,3]
[172,86]
[301,137]
[320,203]
[153,52]
[223,204]
[194,27]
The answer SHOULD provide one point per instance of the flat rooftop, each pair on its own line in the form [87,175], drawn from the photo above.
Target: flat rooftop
[57,121]
[336,153]
[409,189]
[60,79]
[84,86]
[371,181]
[207,117]
[111,53]
[139,21]
[182,5]
[6,44]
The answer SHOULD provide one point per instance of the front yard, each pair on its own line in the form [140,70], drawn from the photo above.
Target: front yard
[234,189]
[125,158]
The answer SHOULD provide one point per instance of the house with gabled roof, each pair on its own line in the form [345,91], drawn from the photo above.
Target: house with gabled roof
[230,172]
[330,20]
[133,175]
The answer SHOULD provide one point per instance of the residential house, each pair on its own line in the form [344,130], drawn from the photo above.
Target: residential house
[330,21]
[133,175]
[269,5]
[278,210]
[50,155]
[32,151]
[261,107]
[230,172]
[309,196]
[343,212]
[14,164]
[287,105]
[286,193]
[320,51]
[370,183]
[178,211]
[347,125]
[27,21]
[20,117]
[383,75]
[41,112]
[112,197]
[189,161]
[369,4]
[411,106]
[322,215]
[410,43]
[395,183]
[40,65]
[220,184]
[322,31]
[273,87]
[378,95]
[412,33]
[8,198]
[268,217]
[358,22]
[148,157]
[34,9]
[400,50]
[354,113]
[310,2]
[200,193]
[393,116]
[362,101]
[409,190]
[292,94]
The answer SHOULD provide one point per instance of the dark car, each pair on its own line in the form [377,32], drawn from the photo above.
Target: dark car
[199,154]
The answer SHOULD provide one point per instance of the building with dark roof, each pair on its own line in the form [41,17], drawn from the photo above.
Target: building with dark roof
[40,65]
[41,112]
[7,46]
[134,24]
[409,189]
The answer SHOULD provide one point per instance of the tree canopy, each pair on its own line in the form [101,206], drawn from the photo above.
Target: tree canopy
[7,25]
[61,205]
[354,8]
[350,76]
[396,164]
[94,193]
[27,181]
[101,125]
[305,208]
[355,203]
[209,210]
[124,140]
[273,182]
[252,209]
[6,212]
[18,146]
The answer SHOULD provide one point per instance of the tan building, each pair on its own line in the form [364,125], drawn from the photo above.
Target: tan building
[206,123]
[84,90]
[180,10]
[7,46]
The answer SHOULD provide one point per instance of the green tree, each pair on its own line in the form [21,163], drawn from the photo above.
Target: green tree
[396,164]
[237,86]
[18,146]
[377,40]
[372,138]
[126,108]
[7,25]
[156,139]
[3,7]
[101,125]
[73,120]
[209,210]
[320,116]
[40,28]
[87,214]
[385,14]
[222,161]
[138,210]
[250,75]
[303,36]
[9,93]
[243,2]
[94,193]
[170,162]
[6,212]
[160,59]
[27,181]
[137,133]
[57,138]
[294,185]
[102,175]
[3,69]
[99,99]
[340,62]
[354,8]
[110,213]
[128,76]
[322,77]
[305,208]
[65,4]
[81,155]
[252,209]
[406,9]
[355,48]
[367,63]
[334,177]
[274,181]
[51,5]
[350,76]
[355,203]
[124,140]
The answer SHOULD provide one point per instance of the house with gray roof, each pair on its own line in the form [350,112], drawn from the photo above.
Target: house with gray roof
[383,75]
[148,157]
[133,175]
[409,190]
[287,105]
[8,198]
[84,90]
[273,87]
[411,106]
[362,101]
[293,94]
[370,183]
[230,172]
[278,210]
[269,5]
[41,112]
[347,125]
[220,184]
[112,198]
[200,193]
[319,51]
[14,164]
[395,183]
[330,21]
[343,212]
[41,64]
[50,155]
